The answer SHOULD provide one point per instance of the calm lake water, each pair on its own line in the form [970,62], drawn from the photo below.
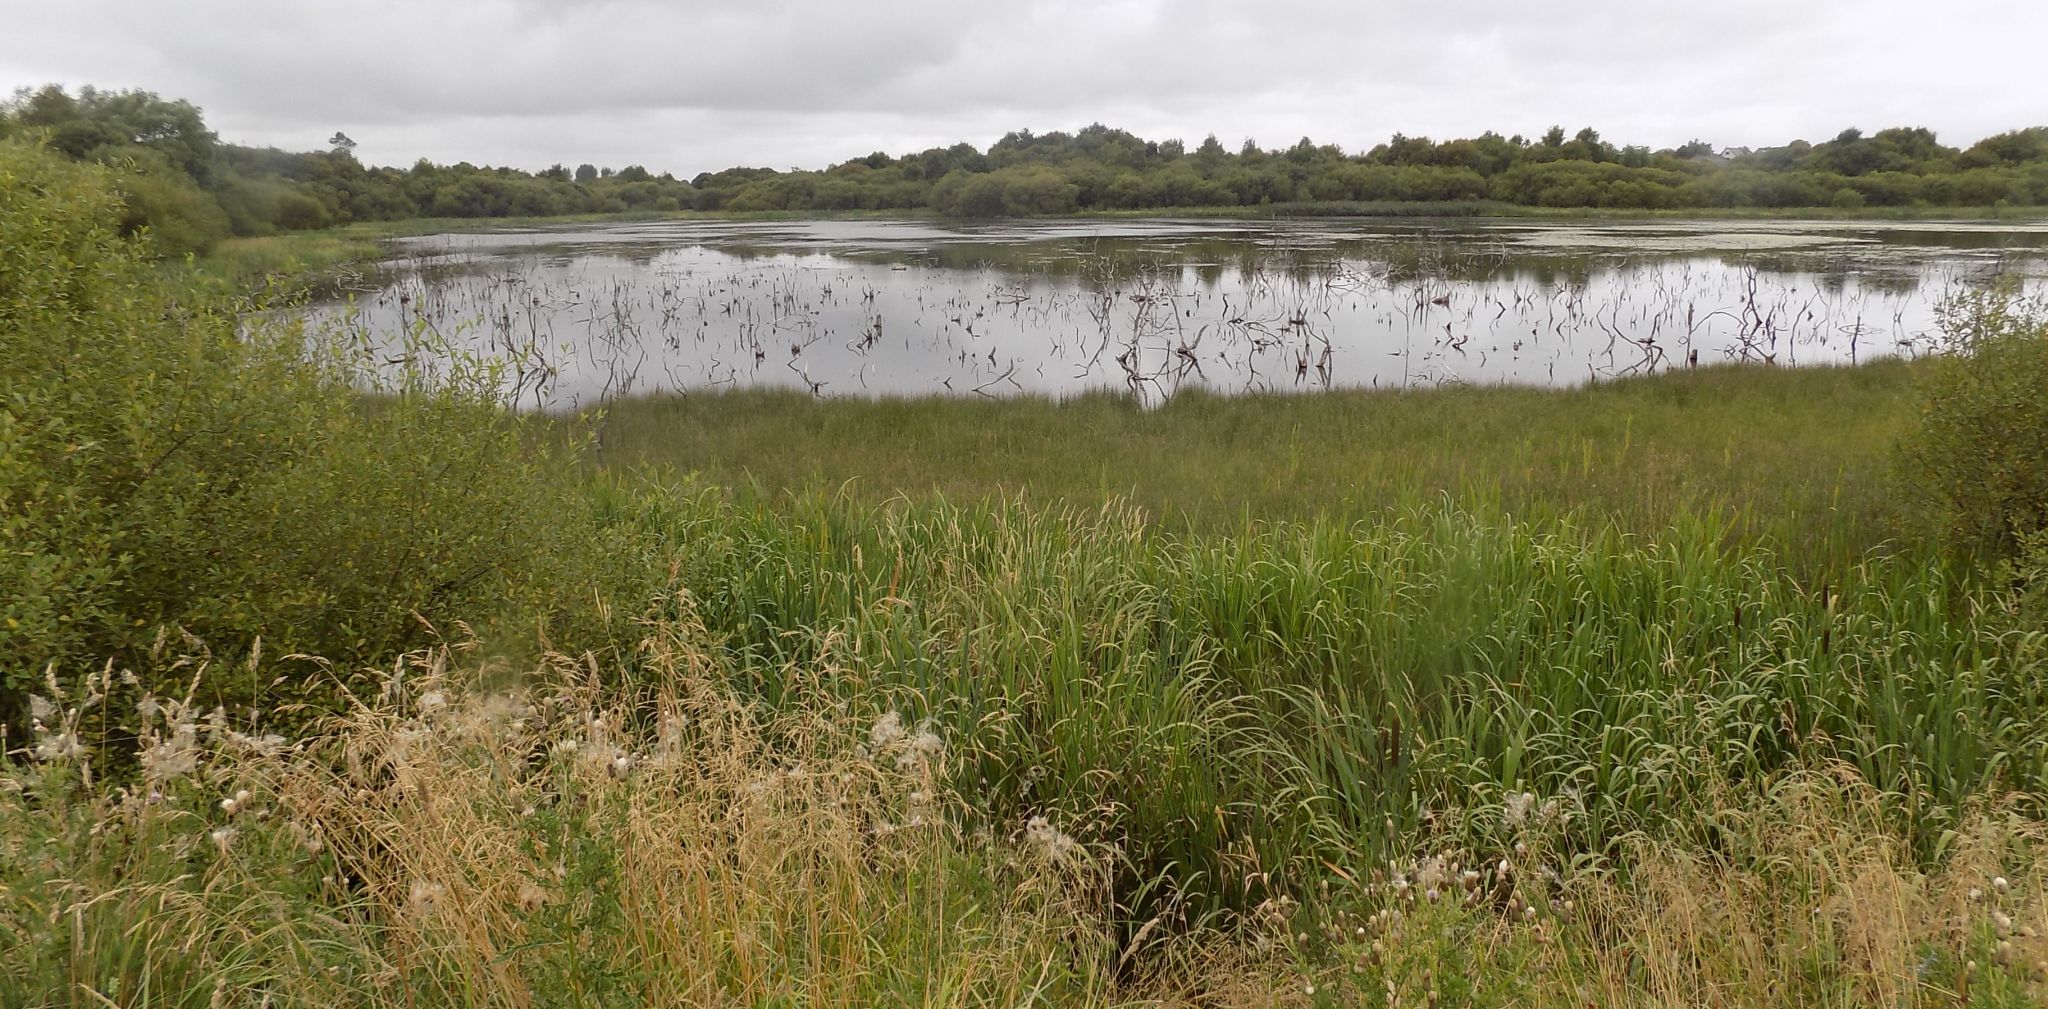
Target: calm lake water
[899,308]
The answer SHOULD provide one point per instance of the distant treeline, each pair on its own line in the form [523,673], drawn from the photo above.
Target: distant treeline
[192,190]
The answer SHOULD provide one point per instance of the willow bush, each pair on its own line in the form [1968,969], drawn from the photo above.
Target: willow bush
[1981,455]
[173,462]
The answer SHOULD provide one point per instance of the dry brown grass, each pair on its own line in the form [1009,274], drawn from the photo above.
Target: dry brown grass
[692,850]
[543,846]
[449,843]
[1812,893]
[1805,897]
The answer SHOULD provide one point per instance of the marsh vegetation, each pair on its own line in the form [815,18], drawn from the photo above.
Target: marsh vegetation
[333,677]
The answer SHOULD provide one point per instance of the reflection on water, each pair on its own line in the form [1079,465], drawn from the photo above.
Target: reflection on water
[1155,306]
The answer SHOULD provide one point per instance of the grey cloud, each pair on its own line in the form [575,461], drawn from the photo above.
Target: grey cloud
[706,84]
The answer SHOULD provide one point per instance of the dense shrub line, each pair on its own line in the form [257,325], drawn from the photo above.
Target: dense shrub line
[190,189]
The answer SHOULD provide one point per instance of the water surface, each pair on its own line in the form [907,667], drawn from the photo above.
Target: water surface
[873,308]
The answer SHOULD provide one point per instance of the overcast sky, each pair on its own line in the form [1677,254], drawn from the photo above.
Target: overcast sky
[694,85]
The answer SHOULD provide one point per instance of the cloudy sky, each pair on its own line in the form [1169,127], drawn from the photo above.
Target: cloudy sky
[693,85]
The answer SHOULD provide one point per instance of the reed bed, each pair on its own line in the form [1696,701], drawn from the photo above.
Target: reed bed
[1803,458]
[991,755]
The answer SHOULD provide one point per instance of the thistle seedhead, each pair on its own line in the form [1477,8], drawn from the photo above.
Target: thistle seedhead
[531,897]
[886,731]
[426,896]
[1051,841]
[53,746]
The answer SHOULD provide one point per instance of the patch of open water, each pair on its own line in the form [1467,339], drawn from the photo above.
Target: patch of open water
[907,308]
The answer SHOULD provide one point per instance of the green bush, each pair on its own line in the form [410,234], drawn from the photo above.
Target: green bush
[266,206]
[168,461]
[155,196]
[1981,455]
[2027,573]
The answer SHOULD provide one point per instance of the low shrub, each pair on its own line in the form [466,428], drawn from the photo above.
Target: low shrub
[173,461]
[1980,459]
